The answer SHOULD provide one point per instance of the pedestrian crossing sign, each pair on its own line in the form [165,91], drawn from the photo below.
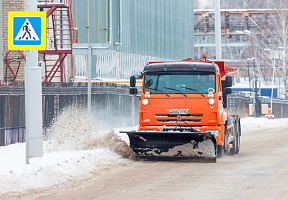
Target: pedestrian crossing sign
[27,30]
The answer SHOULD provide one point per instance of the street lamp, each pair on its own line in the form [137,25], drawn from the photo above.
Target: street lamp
[274,64]
[249,33]
[282,49]
[249,78]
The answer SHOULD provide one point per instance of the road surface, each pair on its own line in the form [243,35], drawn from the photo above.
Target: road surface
[259,171]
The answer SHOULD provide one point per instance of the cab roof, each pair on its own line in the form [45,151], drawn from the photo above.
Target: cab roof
[181,66]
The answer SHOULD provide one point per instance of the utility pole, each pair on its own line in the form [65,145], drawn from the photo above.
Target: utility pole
[249,78]
[33,100]
[1,42]
[256,91]
[217,29]
[274,65]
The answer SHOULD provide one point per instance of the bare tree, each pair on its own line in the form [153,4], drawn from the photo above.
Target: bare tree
[203,4]
[276,37]
[246,4]
[234,4]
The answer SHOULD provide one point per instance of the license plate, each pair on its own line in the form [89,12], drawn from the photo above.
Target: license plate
[178,111]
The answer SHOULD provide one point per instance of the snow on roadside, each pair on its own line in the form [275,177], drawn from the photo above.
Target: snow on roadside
[52,169]
[250,123]
[75,149]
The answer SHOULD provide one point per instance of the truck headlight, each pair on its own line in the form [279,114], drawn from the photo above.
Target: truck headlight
[213,132]
[211,101]
[145,102]
[210,92]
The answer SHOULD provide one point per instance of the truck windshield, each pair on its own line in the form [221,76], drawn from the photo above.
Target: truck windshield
[179,82]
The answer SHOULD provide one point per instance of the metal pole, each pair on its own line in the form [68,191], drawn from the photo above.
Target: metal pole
[1,42]
[256,100]
[247,32]
[259,66]
[279,64]
[279,74]
[217,29]
[259,59]
[110,24]
[133,110]
[33,100]
[89,55]
[88,21]
[120,25]
[249,77]
[255,86]
[272,83]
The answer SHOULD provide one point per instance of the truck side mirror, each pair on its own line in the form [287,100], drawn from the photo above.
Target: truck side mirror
[133,90]
[132,81]
[227,91]
[225,101]
[228,81]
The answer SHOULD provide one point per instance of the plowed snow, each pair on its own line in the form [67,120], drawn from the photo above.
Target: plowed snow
[205,149]
[79,130]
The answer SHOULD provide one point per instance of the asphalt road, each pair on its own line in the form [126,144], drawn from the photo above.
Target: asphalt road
[259,171]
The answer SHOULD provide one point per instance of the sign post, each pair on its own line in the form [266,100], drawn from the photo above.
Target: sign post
[89,50]
[1,43]
[27,31]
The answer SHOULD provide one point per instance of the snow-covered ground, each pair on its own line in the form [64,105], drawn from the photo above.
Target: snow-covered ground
[71,155]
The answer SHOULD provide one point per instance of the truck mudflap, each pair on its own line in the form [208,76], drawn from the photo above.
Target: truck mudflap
[176,145]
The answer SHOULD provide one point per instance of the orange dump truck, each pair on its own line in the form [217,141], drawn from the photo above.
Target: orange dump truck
[182,112]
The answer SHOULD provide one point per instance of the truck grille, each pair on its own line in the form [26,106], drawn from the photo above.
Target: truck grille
[185,118]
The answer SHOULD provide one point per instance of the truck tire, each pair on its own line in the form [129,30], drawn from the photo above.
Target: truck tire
[233,150]
[220,151]
[238,136]
[227,122]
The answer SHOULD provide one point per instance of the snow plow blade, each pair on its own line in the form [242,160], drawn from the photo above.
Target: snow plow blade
[162,145]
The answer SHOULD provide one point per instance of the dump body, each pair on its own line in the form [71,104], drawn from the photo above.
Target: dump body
[182,111]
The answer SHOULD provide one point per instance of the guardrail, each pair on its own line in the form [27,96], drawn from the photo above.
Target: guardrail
[108,100]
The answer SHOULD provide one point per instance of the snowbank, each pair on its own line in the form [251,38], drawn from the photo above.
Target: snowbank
[250,124]
[76,147]
[52,169]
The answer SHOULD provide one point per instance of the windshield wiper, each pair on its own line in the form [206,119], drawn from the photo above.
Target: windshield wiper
[158,90]
[193,90]
[175,90]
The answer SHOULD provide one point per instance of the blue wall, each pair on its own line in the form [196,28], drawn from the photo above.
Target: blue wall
[264,91]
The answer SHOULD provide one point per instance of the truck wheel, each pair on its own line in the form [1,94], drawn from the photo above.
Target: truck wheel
[233,149]
[220,151]
[238,138]
[227,123]
[234,143]
[239,127]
